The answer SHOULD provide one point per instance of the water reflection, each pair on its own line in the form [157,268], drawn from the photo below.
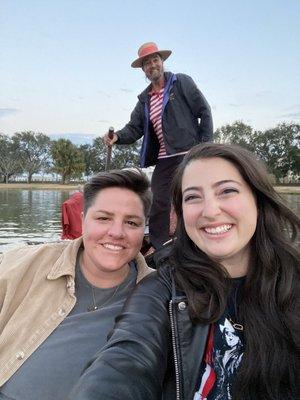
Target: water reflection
[30,215]
[34,215]
[293,200]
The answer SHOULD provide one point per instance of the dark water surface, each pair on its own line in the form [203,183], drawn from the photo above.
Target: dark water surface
[30,215]
[34,215]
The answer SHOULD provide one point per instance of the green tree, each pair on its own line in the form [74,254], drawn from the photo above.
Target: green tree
[279,148]
[236,133]
[68,160]
[34,151]
[9,158]
[122,156]
[126,155]
[97,157]
[86,150]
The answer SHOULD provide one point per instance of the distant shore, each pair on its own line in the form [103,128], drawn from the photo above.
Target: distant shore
[45,186]
[58,186]
[288,189]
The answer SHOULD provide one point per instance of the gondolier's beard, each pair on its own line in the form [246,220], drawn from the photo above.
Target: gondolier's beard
[155,74]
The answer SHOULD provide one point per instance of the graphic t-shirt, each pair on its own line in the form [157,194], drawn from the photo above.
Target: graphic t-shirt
[224,351]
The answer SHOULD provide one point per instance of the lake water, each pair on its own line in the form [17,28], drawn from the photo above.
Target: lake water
[34,215]
[30,215]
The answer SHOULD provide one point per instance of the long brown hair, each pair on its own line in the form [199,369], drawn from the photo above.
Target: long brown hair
[269,306]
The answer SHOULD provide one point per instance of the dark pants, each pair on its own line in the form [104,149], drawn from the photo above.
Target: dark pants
[159,220]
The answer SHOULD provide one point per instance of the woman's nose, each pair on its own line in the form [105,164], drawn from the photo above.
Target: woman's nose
[116,230]
[211,208]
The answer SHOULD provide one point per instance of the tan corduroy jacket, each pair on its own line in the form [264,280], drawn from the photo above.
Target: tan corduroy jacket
[36,294]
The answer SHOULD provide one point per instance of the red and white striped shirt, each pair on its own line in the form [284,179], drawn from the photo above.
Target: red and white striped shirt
[156,102]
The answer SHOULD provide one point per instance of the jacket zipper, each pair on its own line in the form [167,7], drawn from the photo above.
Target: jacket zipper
[176,361]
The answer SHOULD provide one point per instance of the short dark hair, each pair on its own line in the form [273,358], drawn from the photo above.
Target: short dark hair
[132,179]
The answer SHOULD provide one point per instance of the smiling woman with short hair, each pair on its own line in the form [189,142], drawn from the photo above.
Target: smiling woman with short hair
[58,301]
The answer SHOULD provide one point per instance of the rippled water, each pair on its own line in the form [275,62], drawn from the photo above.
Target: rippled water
[293,200]
[30,215]
[34,215]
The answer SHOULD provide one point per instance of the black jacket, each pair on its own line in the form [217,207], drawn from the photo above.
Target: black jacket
[183,106]
[154,351]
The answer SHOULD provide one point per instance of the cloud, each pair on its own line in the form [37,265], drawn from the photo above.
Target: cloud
[291,115]
[293,107]
[103,121]
[104,93]
[264,93]
[126,90]
[4,112]
[234,105]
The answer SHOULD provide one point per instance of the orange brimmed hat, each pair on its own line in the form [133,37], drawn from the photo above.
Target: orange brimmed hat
[146,50]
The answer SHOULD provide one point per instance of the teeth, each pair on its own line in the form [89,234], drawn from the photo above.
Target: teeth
[218,229]
[112,246]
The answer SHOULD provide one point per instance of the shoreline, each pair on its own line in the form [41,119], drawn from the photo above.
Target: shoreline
[45,186]
[58,186]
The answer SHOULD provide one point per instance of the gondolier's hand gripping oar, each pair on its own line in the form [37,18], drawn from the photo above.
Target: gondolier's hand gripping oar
[110,138]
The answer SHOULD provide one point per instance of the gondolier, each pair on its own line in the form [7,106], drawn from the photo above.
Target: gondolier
[172,115]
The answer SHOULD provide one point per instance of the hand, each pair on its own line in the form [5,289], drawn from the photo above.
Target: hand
[108,141]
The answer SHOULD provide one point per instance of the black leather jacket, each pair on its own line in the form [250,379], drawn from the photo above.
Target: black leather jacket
[154,351]
[183,106]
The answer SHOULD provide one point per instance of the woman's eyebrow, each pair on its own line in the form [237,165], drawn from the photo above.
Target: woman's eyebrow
[216,184]
[111,214]
[103,211]
[134,216]
[197,188]
[226,181]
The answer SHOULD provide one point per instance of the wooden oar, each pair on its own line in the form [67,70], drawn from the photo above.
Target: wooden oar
[108,155]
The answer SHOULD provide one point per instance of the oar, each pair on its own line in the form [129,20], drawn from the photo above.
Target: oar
[108,155]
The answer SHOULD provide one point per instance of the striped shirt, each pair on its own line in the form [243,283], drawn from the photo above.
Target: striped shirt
[156,102]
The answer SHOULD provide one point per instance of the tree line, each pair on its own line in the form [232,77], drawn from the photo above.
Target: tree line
[30,152]
[278,148]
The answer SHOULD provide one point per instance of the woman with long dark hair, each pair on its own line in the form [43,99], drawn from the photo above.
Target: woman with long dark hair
[220,319]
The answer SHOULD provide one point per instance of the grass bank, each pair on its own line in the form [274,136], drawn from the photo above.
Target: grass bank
[44,186]
[57,186]
[288,189]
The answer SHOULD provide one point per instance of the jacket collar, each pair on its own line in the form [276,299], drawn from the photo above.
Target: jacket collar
[142,267]
[65,264]
[169,78]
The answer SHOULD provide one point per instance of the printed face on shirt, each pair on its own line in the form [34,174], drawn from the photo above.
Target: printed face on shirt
[113,230]
[231,339]
[219,211]
[153,67]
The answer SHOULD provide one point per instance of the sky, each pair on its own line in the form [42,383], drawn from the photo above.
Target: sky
[65,64]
